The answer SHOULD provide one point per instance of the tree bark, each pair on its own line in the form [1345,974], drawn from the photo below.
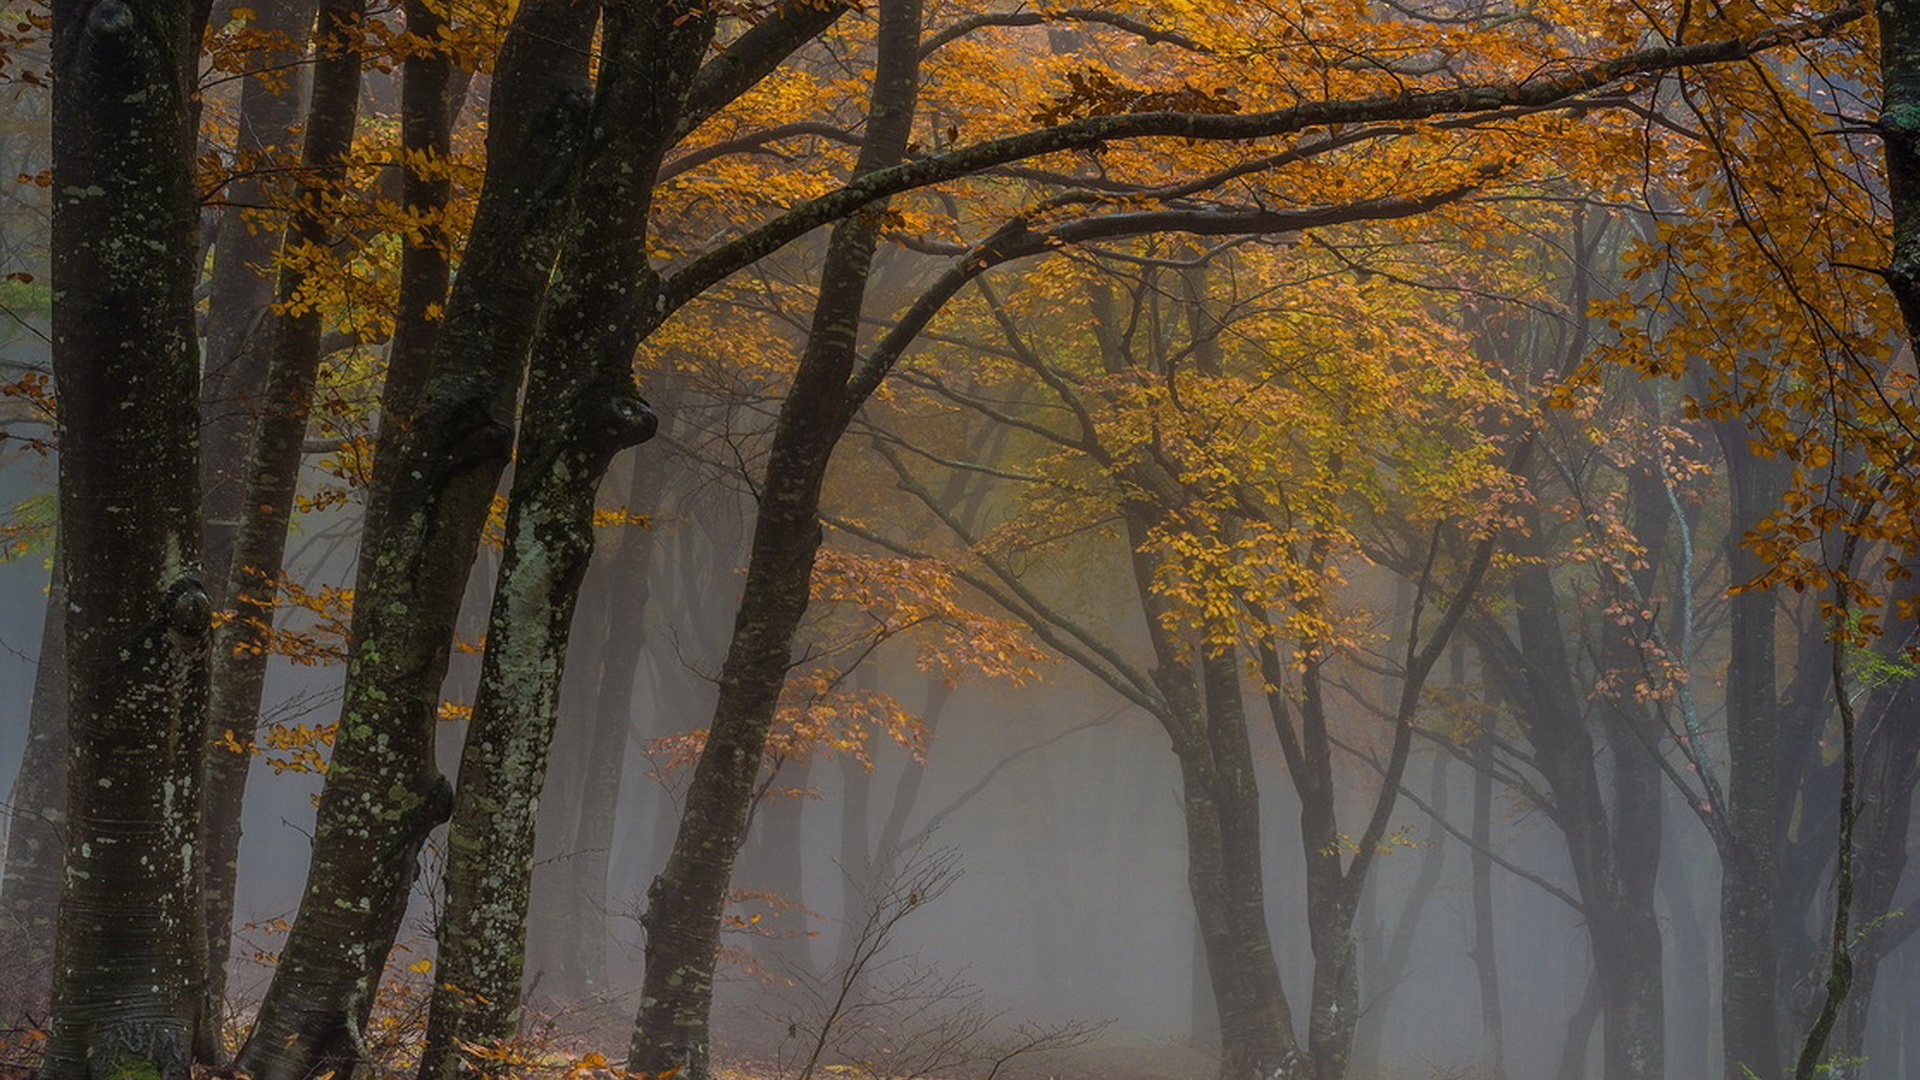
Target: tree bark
[1889,764]
[581,409]
[426,134]
[130,951]
[1220,807]
[384,792]
[1486,956]
[263,508]
[1221,804]
[686,901]
[1613,846]
[1751,1020]
[240,327]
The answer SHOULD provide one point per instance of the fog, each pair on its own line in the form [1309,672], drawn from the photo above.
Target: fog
[1376,644]
[1054,810]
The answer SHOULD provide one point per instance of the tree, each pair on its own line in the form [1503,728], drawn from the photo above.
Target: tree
[130,952]
[591,213]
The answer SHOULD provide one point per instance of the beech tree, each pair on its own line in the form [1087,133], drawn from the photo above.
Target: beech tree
[567,271]
[130,952]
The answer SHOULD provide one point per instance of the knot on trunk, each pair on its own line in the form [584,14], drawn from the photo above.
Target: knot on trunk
[189,612]
[110,18]
[620,420]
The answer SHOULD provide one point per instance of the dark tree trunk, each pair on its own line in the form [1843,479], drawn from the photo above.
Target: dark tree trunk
[426,133]
[1574,1051]
[1205,719]
[36,833]
[268,439]
[1612,844]
[581,408]
[1221,811]
[1486,957]
[239,330]
[1899,126]
[1889,763]
[686,902]
[1331,901]
[131,948]
[1750,1001]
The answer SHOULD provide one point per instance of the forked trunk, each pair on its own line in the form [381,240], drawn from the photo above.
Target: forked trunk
[384,792]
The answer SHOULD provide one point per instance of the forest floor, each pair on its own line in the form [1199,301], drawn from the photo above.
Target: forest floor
[1073,1063]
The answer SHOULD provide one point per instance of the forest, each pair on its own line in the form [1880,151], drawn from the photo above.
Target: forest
[959,539]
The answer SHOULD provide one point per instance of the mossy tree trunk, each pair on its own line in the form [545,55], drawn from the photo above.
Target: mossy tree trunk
[130,951]
[384,792]
[581,408]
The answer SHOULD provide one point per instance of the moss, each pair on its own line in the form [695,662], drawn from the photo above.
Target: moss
[1902,119]
[126,1066]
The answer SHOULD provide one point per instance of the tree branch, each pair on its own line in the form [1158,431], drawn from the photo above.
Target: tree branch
[1146,32]
[1091,132]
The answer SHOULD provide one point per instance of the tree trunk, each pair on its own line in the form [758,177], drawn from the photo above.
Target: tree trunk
[426,134]
[384,792]
[1486,957]
[1221,810]
[1889,769]
[131,951]
[1613,846]
[581,408]
[1220,807]
[240,326]
[264,505]
[1573,1052]
[1750,1010]
[1899,125]
[686,902]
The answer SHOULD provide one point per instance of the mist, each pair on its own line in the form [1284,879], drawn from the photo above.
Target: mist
[944,540]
